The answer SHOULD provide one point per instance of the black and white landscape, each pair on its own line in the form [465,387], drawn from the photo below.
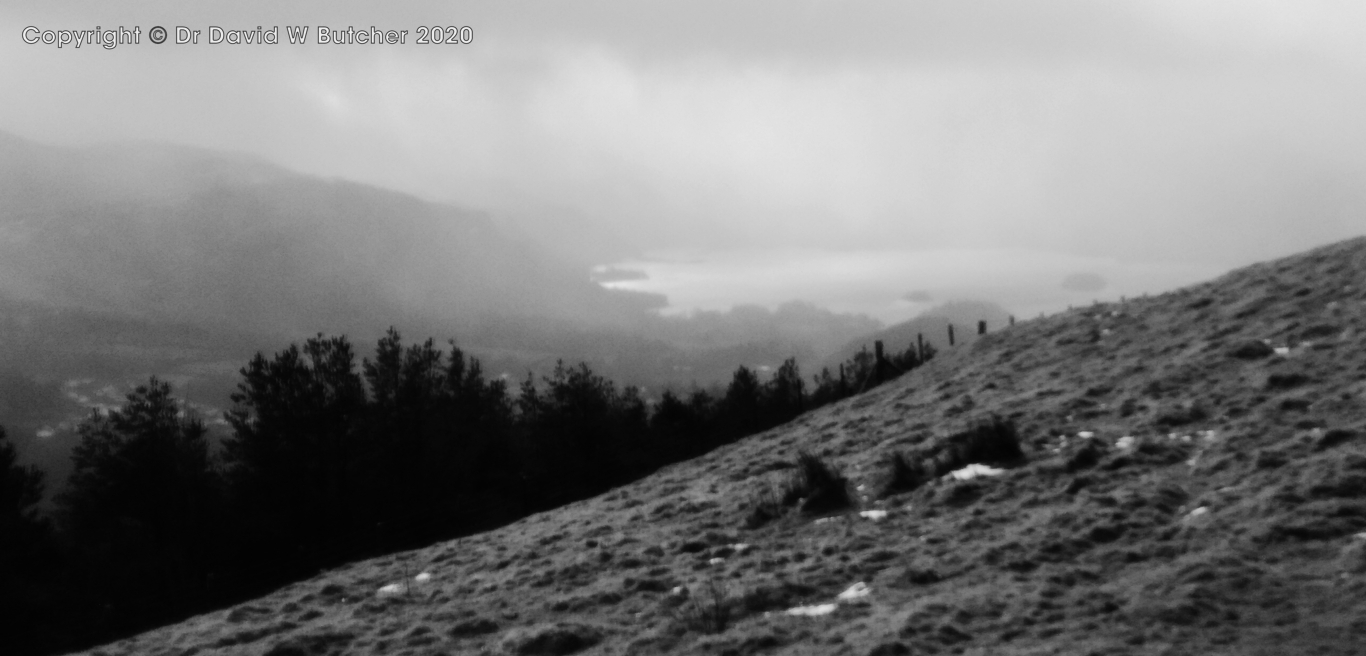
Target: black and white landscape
[738,328]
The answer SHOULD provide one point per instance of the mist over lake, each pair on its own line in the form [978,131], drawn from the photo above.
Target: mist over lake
[893,285]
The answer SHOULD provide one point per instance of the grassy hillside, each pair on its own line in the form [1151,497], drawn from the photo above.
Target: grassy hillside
[1193,481]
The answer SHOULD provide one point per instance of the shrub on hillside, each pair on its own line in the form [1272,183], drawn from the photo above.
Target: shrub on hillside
[905,474]
[996,441]
[764,507]
[817,486]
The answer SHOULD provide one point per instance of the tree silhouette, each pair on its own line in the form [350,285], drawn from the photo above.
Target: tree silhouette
[141,507]
[297,438]
[785,394]
[25,550]
[21,490]
[741,408]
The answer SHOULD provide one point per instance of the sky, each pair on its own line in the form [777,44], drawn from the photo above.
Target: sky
[848,153]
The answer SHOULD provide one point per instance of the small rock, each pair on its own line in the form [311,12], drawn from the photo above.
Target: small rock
[973,471]
[812,611]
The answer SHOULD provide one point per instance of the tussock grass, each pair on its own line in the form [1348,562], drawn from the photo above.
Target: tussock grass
[817,486]
[708,609]
[905,474]
[995,441]
[992,442]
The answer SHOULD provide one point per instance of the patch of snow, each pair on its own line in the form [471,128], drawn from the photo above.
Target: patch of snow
[1281,350]
[741,547]
[45,432]
[812,611]
[856,591]
[1359,536]
[1126,442]
[825,520]
[861,488]
[1086,435]
[974,471]
[875,515]
[716,561]
[1198,511]
[679,591]
[423,577]
[389,590]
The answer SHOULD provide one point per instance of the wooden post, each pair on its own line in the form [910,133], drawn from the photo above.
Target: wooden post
[950,334]
[981,327]
[920,346]
[1012,319]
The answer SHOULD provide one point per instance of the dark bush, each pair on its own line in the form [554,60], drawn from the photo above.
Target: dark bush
[817,486]
[993,442]
[905,475]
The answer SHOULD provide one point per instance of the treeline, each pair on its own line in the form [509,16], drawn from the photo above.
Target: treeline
[331,460]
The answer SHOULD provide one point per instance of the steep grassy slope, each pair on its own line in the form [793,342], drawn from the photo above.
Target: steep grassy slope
[1189,489]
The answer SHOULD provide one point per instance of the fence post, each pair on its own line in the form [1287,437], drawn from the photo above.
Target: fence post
[1012,319]
[950,334]
[981,327]
[920,347]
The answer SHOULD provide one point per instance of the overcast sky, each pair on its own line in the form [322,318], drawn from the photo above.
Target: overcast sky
[1204,134]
